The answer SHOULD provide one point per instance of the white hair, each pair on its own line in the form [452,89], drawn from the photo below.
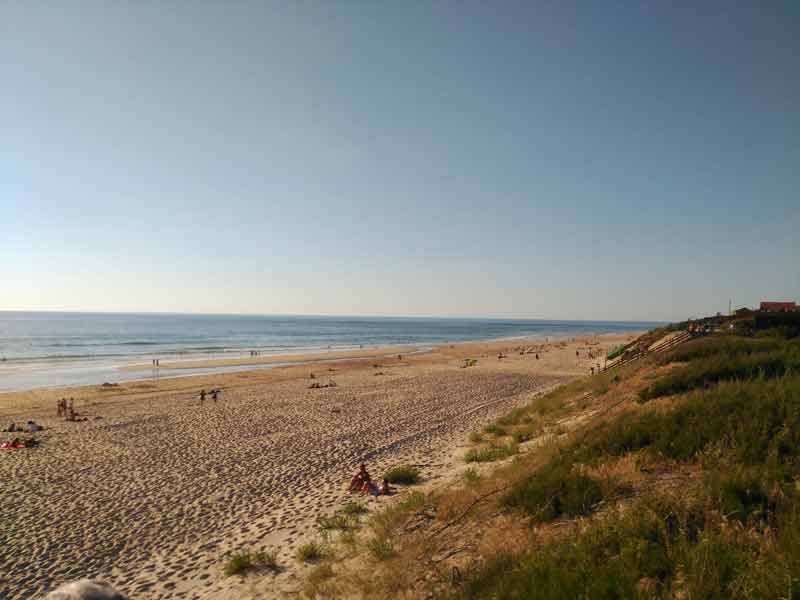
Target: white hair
[85,589]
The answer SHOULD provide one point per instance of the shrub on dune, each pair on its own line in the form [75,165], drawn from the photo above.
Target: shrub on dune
[404,474]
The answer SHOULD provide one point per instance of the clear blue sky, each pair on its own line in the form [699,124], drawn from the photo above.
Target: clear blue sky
[636,160]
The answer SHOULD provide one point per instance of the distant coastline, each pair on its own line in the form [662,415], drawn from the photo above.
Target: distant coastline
[47,349]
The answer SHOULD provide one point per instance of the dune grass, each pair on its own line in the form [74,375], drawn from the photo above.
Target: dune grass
[734,533]
[311,551]
[754,422]
[554,491]
[337,522]
[724,367]
[717,346]
[664,547]
[241,562]
[353,509]
[491,453]
[404,474]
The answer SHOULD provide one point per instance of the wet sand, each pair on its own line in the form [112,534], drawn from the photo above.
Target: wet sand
[155,488]
[271,359]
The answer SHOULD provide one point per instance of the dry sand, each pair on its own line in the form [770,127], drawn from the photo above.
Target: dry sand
[154,489]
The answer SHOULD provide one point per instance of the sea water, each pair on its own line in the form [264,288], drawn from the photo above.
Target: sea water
[60,348]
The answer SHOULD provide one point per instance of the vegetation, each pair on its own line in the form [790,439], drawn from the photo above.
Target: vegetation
[404,474]
[744,362]
[380,547]
[311,551]
[353,509]
[666,547]
[471,476]
[338,522]
[241,562]
[616,352]
[554,491]
[491,453]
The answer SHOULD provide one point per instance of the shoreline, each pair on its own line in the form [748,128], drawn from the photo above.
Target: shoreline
[210,366]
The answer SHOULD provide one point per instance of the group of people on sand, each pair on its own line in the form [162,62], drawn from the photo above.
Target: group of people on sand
[213,393]
[30,427]
[66,409]
[362,483]
[17,443]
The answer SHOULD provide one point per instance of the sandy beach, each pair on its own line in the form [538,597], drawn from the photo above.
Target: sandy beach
[154,488]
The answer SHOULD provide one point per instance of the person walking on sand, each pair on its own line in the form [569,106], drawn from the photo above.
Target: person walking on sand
[202,396]
[214,395]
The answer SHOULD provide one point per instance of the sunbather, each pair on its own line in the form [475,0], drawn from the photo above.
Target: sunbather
[385,489]
[369,488]
[359,479]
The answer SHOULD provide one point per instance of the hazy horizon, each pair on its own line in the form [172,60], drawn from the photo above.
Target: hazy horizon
[532,161]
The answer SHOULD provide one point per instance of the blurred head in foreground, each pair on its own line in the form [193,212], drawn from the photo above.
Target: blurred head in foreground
[85,589]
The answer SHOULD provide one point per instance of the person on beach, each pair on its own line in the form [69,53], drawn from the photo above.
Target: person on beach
[385,489]
[369,488]
[214,395]
[359,479]
[202,396]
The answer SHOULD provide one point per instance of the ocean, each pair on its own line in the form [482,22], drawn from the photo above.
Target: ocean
[47,349]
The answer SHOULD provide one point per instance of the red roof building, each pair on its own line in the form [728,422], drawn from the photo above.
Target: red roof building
[778,306]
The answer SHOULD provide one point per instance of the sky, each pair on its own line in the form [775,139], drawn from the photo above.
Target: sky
[565,160]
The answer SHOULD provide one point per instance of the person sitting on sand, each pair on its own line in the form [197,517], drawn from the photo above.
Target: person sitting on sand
[385,489]
[359,479]
[368,487]
[33,427]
